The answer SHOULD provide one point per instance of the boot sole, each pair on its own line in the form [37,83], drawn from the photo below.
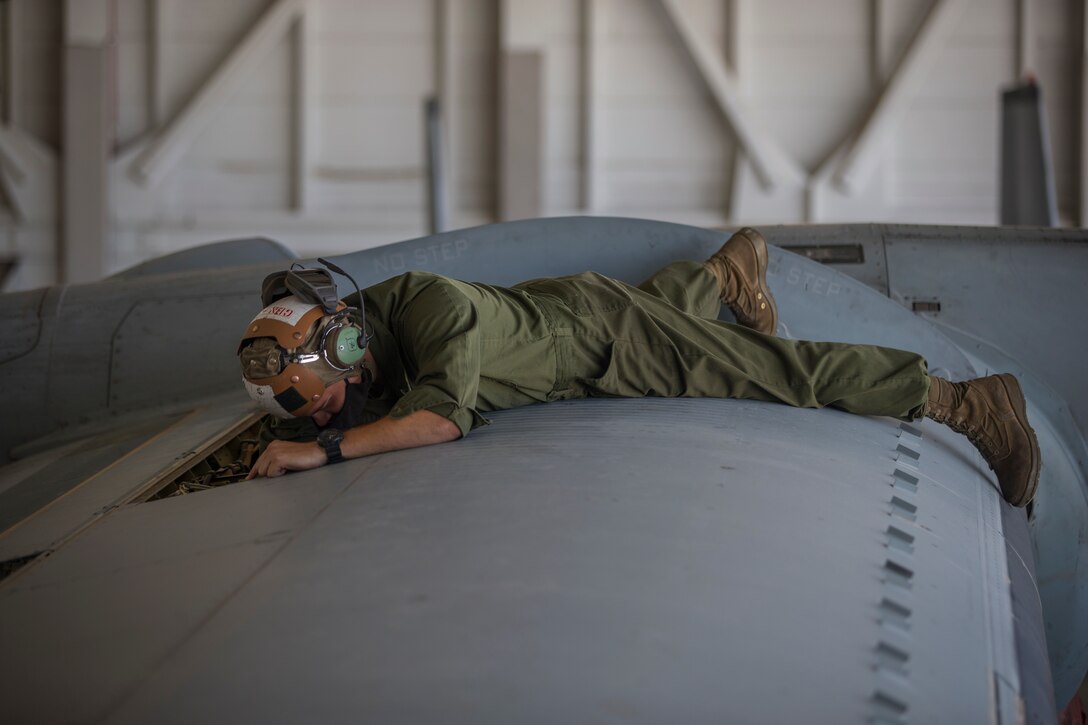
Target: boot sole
[1020,408]
[760,245]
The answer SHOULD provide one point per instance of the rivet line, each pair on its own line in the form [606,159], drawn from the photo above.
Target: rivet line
[889,700]
[901,478]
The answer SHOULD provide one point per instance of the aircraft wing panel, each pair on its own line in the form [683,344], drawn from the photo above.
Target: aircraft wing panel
[84,628]
[90,477]
[229,253]
[641,557]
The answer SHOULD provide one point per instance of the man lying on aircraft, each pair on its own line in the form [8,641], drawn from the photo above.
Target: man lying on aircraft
[417,359]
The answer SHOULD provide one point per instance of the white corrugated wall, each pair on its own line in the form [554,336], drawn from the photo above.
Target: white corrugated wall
[303,119]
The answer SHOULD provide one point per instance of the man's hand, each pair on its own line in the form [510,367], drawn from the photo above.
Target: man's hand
[421,428]
[283,456]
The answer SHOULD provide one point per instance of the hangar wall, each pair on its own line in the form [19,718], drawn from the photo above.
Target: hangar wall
[303,120]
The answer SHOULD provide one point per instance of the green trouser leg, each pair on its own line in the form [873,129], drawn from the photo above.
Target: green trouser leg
[672,345]
[687,286]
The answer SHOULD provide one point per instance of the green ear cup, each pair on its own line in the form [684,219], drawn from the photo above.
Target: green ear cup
[346,348]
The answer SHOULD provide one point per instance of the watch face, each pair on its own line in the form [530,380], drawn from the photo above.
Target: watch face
[329,436]
[329,439]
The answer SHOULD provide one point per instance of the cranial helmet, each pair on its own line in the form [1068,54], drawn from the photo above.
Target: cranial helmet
[303,341]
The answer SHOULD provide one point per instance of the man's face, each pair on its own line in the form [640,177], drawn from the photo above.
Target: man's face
[331,402]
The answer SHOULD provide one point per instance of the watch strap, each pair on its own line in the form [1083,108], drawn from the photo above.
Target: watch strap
[330,442]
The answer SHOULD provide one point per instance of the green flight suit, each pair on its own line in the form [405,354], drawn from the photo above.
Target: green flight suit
[461,349]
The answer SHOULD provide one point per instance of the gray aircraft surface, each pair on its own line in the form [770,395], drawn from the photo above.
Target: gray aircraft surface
[650,560]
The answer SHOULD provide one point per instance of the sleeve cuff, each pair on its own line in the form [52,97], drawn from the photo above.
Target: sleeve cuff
[423,398]
[301,430]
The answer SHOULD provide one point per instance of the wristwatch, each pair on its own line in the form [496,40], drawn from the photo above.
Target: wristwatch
[329,439]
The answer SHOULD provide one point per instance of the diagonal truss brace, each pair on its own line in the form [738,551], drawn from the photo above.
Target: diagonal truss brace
[856,158]
[27,174]
[772,164]
[171,142]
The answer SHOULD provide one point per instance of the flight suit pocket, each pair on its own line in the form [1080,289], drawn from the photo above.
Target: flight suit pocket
[563,291]
[637,370]
[586,294]
[618,379]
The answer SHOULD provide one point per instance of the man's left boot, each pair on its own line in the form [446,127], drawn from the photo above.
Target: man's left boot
[740,267]
[992,413]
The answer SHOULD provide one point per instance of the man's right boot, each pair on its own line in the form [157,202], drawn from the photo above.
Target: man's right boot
[992,413]
[740,267]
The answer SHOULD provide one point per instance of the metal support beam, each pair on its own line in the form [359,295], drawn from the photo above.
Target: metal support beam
[437,213]
[879,68]
[521,106]
[811,211]
[12,11]
[861,156]
[738,65]
[879,34]
[734,16]
[156,42]
[27,175]
[170,144]
[10,168]
[303,108]
[521,165]
[1026,13]
[771,164]
[445,65]
[733,13]
[590,119]
[1083,115]
[87,125]
[11,174]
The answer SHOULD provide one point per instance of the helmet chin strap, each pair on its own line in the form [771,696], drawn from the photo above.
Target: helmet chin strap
[355,397]
[367,381]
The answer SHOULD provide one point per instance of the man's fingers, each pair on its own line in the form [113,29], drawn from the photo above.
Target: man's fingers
[278,459]
[269,466]
[260,467]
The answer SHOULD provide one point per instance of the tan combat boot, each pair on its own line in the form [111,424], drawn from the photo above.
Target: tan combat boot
[740,267]
[992,413]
